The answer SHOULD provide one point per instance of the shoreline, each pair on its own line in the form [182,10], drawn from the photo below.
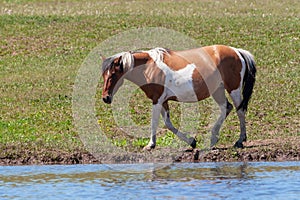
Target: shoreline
[256,151]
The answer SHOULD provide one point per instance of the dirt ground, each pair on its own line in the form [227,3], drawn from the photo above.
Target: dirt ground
[267,150]
[270,150]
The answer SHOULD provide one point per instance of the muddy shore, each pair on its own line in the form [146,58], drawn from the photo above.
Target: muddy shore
[268,150]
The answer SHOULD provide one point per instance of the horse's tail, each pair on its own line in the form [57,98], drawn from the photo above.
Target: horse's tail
[249,78]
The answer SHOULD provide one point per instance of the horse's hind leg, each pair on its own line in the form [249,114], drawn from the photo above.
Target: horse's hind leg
[229,107]
[225,107]
[237,99]
[166,116]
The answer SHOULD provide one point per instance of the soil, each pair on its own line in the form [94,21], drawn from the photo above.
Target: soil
[267,150]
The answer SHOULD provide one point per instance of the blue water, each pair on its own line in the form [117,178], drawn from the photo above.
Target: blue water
[255,180]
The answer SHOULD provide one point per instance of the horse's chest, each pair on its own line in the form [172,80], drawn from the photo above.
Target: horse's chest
[180,84]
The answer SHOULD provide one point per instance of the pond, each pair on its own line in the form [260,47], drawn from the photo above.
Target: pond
[239,180]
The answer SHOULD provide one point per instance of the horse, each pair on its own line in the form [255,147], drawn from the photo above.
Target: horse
[185,76]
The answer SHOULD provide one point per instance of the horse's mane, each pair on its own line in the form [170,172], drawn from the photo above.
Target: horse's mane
[156,54]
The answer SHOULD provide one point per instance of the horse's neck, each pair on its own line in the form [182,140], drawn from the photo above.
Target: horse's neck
[137,74]
[145,70]
[140,58]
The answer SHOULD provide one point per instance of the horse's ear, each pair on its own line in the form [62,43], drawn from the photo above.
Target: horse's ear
[102,56]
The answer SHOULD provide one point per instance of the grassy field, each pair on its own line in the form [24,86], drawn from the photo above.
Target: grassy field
[43,43]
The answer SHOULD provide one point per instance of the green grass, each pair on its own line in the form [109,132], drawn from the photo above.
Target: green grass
[43,45]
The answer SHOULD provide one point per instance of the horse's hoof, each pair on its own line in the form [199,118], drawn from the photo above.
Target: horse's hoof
[239,145]
[193,143]
[149,147]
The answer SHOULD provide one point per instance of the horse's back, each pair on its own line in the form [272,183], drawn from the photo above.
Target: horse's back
[213,53]
[218,62]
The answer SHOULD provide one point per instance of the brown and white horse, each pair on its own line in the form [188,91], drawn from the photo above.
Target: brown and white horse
[185,76]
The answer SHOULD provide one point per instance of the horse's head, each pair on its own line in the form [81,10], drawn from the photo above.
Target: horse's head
[113,70]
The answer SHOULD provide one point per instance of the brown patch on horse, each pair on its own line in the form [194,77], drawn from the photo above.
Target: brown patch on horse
[140,58]
[153,79]
[200,87]
[175,61]
[230,67]
[153,91]
[228,64]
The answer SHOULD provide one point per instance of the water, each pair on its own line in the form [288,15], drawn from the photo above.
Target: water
[260,180]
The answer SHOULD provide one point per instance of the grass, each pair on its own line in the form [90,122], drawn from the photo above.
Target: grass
[43,46]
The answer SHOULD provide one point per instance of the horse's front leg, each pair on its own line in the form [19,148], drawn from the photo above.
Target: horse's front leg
[166,116]
[156,108]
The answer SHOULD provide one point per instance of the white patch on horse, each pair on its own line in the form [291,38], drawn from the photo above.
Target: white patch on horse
[236,94]
[177,83]
[243,66]
[182,84]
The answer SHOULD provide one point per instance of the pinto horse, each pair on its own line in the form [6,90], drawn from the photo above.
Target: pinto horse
[185,76]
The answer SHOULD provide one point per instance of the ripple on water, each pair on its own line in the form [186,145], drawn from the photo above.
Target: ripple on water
[255,180]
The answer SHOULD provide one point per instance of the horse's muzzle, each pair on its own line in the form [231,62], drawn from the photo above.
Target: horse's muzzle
[107,99]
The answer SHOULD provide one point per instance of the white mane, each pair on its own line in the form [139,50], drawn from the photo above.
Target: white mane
[128,61]
[126,58]
[157,54]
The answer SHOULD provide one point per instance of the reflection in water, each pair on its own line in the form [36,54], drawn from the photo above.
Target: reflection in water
[189,172]
[201,180]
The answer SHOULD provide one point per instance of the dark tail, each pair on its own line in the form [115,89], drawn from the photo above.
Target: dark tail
[249,78]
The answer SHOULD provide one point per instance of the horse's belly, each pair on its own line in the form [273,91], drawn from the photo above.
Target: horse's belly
[183,93]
